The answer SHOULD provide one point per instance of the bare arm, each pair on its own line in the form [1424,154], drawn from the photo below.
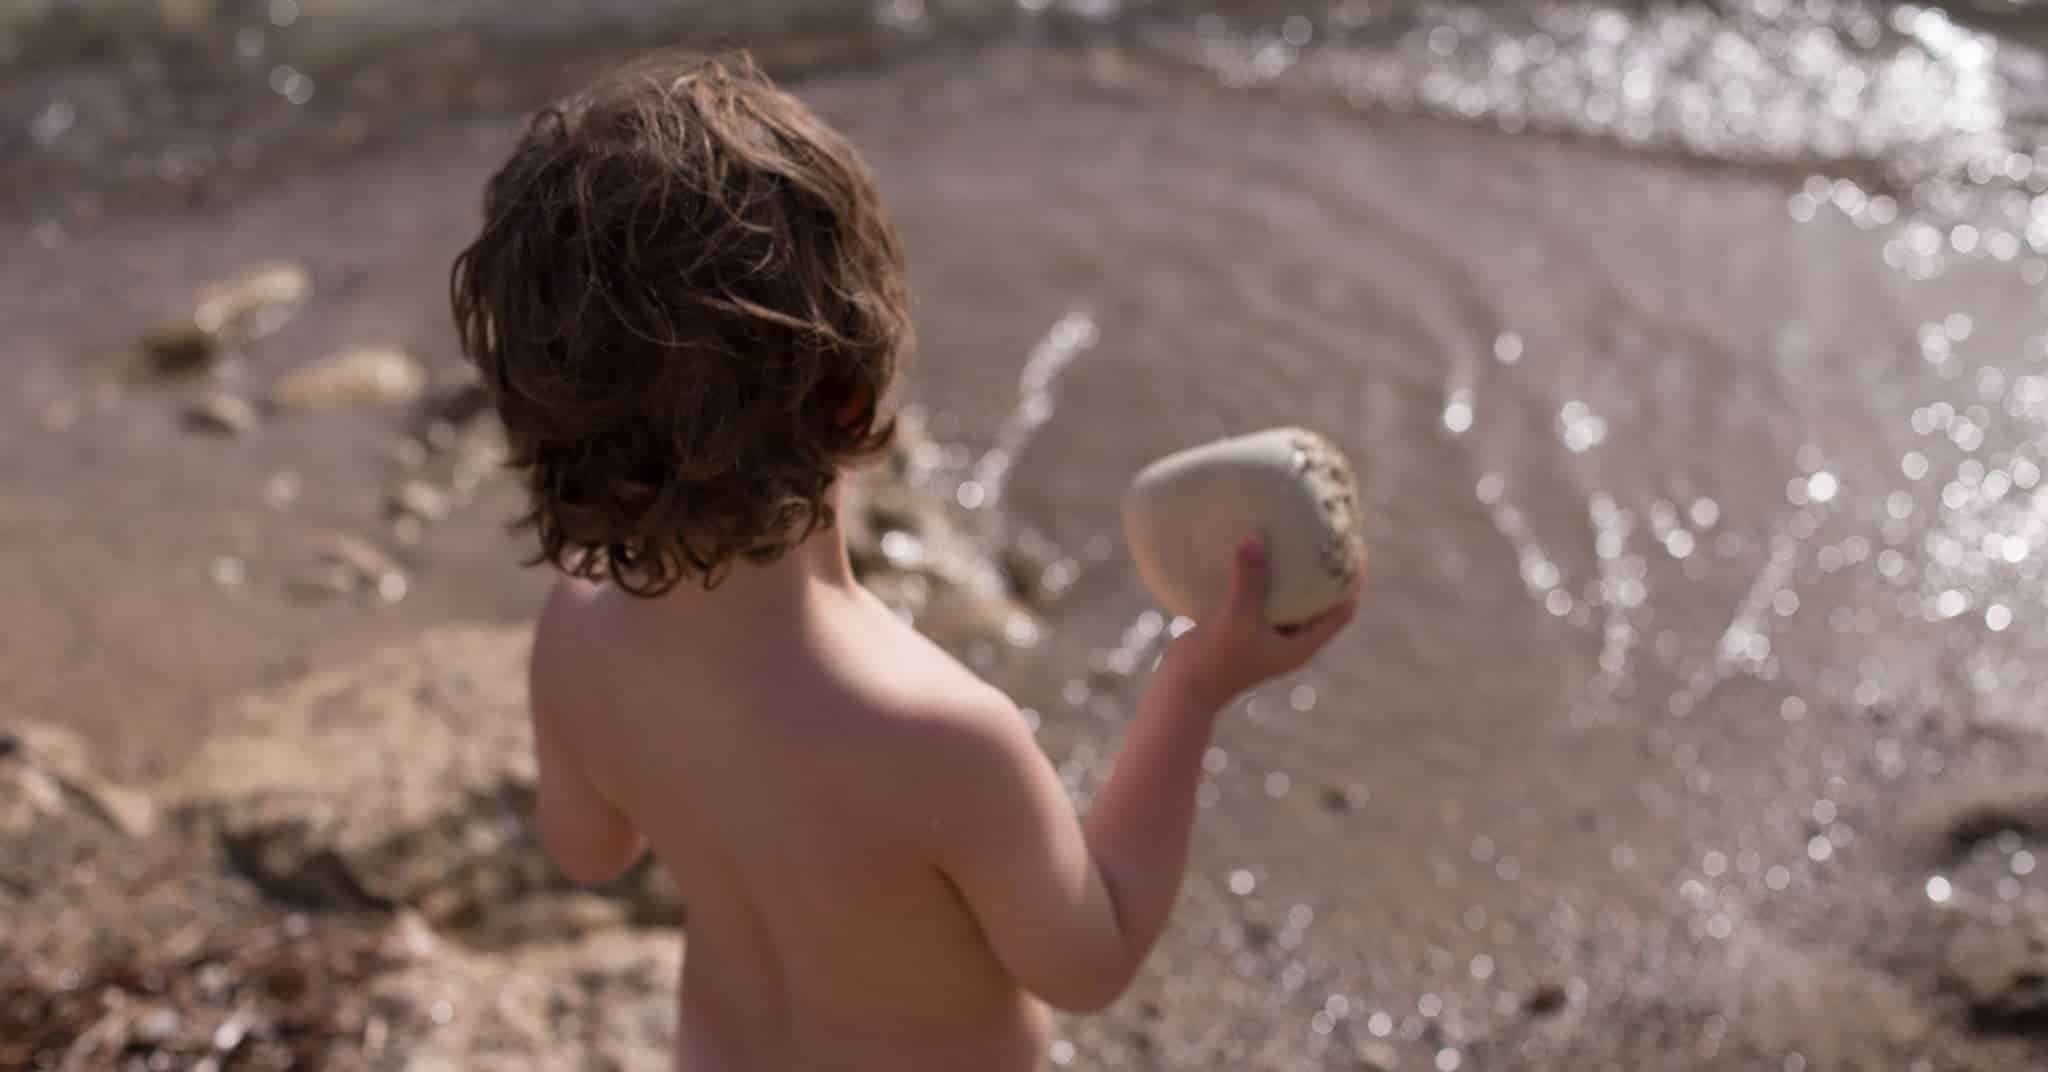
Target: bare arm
[589,837]
[1073,908]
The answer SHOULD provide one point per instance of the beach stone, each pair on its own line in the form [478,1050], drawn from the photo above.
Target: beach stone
[252,302]
[46,770]
[417,498]
[180,346]
[361,562]
[231,304]
[1546,1000]
[1184,513]
[2001,975]
[223,414]
[362,375]
[1378,1056]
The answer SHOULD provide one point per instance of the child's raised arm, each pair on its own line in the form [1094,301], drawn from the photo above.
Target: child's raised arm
[1073,908]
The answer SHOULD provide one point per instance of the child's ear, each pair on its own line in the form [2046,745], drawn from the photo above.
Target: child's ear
[856,405]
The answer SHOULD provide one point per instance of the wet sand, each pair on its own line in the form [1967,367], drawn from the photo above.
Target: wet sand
[1578,792]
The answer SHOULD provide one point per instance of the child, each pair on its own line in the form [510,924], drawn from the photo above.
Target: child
[687,305]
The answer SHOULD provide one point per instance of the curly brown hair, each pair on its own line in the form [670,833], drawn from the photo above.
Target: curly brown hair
[687,304]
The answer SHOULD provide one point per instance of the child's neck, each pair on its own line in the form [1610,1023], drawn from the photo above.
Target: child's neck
[763,592]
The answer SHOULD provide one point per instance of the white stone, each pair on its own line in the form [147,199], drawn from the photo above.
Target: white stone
[228,303]
[1184,513]
[358,376]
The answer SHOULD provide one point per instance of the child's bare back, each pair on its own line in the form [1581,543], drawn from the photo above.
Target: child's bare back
[778,775]
[688,306]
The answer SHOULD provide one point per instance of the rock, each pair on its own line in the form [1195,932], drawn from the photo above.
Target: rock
[178,347]
[27,797]
[1030,564]
[157,1026]
[321,584]
[1343,797]
[417,498]
[1184,513]
[404,780]
[1378,1056]
[361,375]
[49,771]
[250,303]
[349,564]
[231,304]
[60,415]
[2001,976]
[1546,1000]
[459,404]
[223,414]
[282,489]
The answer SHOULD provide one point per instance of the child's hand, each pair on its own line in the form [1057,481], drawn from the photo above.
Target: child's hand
[1233,649]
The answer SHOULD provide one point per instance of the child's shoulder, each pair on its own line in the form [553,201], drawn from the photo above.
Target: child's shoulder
[953,710]
[570,603]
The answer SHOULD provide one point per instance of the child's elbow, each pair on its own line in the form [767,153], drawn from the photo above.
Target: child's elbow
[589,861]
[1086,1003]
[1088,993]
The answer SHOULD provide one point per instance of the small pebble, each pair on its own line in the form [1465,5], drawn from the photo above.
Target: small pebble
[417,498]
[180,347]
[407,531]
[61,415]
[359,376]
[282,490]
[1342,798]
[1379,1056]
[222,414]
[228,571]
[157,1026]
[1546,1000]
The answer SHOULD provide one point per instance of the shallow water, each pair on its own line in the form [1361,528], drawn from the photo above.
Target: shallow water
[1694,363]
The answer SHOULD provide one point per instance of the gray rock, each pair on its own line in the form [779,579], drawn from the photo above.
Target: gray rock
[363,375]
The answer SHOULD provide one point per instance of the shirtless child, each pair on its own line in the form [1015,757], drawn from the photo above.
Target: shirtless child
[688,305]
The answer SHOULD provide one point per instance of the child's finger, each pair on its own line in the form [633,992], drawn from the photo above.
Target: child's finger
[1301,642]
[1247,598]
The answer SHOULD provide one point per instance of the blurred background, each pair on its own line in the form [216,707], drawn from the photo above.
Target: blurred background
[1692,354]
